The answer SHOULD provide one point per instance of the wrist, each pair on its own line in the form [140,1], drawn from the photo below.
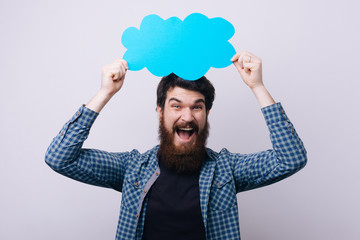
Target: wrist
[258,87]
[105,94]
[263,96]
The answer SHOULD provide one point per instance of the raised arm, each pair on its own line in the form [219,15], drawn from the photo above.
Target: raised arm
[65,154]
[288,154]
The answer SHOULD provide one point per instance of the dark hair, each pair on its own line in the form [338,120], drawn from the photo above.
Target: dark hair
[202,85]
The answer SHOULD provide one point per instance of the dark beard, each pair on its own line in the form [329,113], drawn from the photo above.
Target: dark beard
[185,158]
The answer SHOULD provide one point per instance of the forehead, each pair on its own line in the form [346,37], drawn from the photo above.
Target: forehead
[183,94]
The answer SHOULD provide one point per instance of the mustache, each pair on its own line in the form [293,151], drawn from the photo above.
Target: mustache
[192,125]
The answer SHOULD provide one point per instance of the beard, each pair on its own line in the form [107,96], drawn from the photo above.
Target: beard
[186,158]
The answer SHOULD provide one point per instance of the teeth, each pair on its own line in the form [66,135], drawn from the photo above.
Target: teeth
[186,129]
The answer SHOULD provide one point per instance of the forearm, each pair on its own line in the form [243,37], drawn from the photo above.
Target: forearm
[98,102]
[263,96]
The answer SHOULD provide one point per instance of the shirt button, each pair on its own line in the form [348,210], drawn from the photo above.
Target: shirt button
[137,215]
[62,133]
[219,184]
[292,131]
[282,111]
[157,174]
[144,191]
[78,113]
[137,184]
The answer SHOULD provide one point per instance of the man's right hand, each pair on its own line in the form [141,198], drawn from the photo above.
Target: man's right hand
[113,76]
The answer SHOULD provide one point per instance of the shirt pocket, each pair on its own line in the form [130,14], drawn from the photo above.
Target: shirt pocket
[222,193]
[131,192]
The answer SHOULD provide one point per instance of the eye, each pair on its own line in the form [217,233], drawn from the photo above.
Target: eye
[176,106]
[198,107]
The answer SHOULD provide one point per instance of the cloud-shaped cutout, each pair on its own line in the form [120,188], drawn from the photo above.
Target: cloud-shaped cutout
[187,48]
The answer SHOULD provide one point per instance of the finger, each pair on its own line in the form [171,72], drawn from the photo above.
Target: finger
[235,57]
[241,61]
[247,59]
[119,61]
[125,64]
[122,78]
[115,76]
[113,70]
[254,58]
[238,66]
[250,67]
[244,53]
[122,70]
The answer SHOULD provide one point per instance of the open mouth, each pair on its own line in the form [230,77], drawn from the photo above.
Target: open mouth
[185,133]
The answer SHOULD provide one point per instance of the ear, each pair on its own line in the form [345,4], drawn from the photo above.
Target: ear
[159,111]
[207,113]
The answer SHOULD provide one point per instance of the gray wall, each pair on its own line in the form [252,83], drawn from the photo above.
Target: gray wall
[51,54]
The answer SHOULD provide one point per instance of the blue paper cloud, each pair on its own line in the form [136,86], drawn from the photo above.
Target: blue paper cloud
[187,48]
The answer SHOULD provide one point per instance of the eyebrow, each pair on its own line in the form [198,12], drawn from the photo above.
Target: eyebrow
[200,100]
[174,99]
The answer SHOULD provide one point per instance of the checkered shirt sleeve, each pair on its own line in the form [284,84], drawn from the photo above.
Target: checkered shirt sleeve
[66,156]
[286,158]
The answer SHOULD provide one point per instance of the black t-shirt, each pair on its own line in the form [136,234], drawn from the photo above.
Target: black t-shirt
[173,211]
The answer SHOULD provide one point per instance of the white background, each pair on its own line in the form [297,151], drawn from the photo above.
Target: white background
[51,54]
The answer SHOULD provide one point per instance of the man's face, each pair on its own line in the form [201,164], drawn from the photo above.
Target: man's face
[184,116]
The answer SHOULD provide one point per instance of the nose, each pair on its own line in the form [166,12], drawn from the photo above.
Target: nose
[187,115]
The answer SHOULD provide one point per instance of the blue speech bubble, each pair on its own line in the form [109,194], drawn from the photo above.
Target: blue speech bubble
[187,48]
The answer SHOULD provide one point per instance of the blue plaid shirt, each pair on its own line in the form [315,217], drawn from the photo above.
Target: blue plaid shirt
[223,176]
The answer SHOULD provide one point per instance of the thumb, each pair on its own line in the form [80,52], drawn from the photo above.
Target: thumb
[240,70]
[237,65]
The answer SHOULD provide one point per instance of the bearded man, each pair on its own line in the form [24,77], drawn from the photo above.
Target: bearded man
[179,190]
